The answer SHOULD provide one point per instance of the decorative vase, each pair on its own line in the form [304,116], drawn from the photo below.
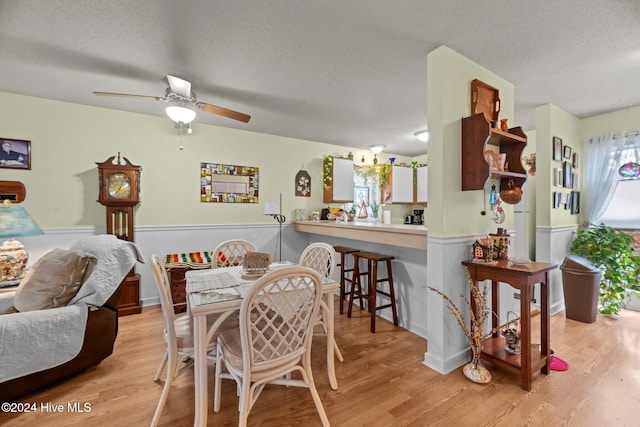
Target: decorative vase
[476,372]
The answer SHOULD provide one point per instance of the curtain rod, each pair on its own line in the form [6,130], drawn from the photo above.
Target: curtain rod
[625,135]
[628,134]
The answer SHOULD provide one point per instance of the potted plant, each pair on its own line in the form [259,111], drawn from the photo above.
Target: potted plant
[610,250]
[374,209]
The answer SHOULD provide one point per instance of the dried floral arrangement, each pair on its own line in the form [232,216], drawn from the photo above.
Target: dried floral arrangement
[474,332]
[530,160]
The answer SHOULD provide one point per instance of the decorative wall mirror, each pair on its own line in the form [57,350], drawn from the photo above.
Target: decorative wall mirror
[220,183]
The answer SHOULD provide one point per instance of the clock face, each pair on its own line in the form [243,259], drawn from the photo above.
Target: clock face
[119,186]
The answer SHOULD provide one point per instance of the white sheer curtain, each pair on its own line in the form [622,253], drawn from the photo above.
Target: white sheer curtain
[603,156]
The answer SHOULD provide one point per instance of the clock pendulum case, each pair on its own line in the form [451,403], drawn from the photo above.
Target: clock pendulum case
[119,191]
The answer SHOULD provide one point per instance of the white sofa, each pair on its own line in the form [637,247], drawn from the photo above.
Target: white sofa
[39,346]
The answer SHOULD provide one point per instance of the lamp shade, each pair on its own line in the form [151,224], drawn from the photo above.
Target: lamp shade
[271,208]
[15,221]
[180,114]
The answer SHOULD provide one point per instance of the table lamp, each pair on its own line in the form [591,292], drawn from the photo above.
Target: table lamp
[275,210]
[14,222]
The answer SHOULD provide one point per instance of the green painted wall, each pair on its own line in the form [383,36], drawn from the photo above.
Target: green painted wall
[452,211]
[67,139]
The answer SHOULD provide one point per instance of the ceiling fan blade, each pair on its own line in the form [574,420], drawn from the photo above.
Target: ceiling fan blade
[179,86]
[225,112]
[128,95]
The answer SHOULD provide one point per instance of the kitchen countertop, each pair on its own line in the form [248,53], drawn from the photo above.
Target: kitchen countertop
[406,235]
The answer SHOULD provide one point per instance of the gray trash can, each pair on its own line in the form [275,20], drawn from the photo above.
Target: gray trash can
[581,284]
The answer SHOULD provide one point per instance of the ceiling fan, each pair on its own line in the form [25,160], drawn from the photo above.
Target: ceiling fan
[180,96]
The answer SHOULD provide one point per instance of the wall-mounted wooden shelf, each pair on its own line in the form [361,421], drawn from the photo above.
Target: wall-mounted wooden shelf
[477,133]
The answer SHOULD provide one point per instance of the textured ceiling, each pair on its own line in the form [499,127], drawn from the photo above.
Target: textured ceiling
[346,72]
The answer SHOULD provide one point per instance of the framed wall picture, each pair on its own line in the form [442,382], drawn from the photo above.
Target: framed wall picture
[15,154]
[221,183]
[566,151]
[557,148]
[567,174]
[576,160]
[575,202]
[557,177]
[575,180]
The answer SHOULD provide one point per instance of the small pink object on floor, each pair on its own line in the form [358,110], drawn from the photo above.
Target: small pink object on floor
[558,364]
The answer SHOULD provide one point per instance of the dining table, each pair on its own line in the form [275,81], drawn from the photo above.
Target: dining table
[221,291]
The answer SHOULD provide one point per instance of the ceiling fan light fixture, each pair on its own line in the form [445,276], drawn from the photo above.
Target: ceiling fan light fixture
[180,114]
[423,135]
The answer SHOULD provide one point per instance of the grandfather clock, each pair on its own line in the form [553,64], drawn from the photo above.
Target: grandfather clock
[120,192]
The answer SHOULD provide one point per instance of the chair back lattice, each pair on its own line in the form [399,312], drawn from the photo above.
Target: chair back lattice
[276,318]
[320,257]
[231,253]
[166,301]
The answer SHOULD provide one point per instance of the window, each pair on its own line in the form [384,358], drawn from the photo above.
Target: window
[624,209]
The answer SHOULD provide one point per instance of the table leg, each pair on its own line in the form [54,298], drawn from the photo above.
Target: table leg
[342,283]
[544,323]
[200,369]
[495,306]
[331,368]
[525,338]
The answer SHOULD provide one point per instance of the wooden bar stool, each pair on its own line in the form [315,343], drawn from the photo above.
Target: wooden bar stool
[372,285]
[344,278]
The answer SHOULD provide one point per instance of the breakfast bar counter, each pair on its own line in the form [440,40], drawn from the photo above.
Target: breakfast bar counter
[405,235]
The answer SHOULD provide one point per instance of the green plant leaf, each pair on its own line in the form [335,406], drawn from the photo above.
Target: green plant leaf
[610,250]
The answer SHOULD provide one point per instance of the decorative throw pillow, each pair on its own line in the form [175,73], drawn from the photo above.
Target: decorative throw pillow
[53,280]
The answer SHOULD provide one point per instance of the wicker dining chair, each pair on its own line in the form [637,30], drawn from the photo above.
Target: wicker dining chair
[178,335]
[321,258]
[274,339]
[231,252]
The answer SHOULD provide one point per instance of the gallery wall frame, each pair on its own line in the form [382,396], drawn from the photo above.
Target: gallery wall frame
[15,154]
[557,148]
[566,152]
[575,202]
[567,174]
[557,178]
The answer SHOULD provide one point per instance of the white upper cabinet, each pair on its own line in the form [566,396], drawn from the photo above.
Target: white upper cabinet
[338,180]
[421,184]
[400,186]
[405,187]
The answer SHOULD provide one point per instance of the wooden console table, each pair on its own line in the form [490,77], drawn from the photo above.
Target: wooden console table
[524,278]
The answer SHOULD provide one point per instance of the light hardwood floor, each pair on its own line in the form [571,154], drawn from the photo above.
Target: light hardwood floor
[382,382]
